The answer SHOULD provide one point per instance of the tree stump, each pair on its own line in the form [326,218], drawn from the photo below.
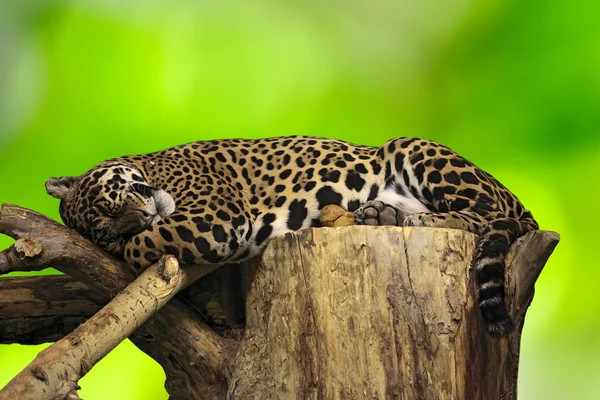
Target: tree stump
[379,312]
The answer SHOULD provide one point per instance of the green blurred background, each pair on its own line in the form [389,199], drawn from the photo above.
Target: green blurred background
[512,85]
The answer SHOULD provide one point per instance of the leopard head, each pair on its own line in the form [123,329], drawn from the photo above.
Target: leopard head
[110,203]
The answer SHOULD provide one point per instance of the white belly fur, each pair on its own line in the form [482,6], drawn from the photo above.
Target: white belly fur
[407,204]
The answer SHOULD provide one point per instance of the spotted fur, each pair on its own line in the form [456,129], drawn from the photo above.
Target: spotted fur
[221,201]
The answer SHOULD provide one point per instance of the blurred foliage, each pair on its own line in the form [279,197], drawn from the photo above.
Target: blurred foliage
[512,85]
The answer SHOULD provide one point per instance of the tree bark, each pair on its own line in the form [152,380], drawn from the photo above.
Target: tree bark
[379,312]
[41,309]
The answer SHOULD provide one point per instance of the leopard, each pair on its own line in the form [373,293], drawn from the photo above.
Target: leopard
[221,201]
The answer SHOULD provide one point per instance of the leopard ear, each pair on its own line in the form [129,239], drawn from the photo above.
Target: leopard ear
[61,187]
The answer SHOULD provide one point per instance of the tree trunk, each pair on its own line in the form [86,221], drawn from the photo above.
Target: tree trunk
[364,312]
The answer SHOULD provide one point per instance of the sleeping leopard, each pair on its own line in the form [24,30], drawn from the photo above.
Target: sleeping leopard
[221,201]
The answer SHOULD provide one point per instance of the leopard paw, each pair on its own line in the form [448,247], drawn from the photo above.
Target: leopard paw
[378,213]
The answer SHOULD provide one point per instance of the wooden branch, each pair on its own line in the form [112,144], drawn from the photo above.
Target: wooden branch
[56,370]
[379,312]
[40,309]
[189,351]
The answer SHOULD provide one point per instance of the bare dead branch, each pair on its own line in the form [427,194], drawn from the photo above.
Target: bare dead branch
[189,351]
[56,370]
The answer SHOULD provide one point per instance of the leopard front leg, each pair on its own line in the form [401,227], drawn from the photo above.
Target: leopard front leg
[194,236]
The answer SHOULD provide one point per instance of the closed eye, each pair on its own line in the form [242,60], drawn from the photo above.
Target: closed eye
[142,189]
[110,213]
[146,216]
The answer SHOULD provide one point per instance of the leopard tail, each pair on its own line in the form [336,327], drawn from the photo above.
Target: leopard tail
[492,248]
